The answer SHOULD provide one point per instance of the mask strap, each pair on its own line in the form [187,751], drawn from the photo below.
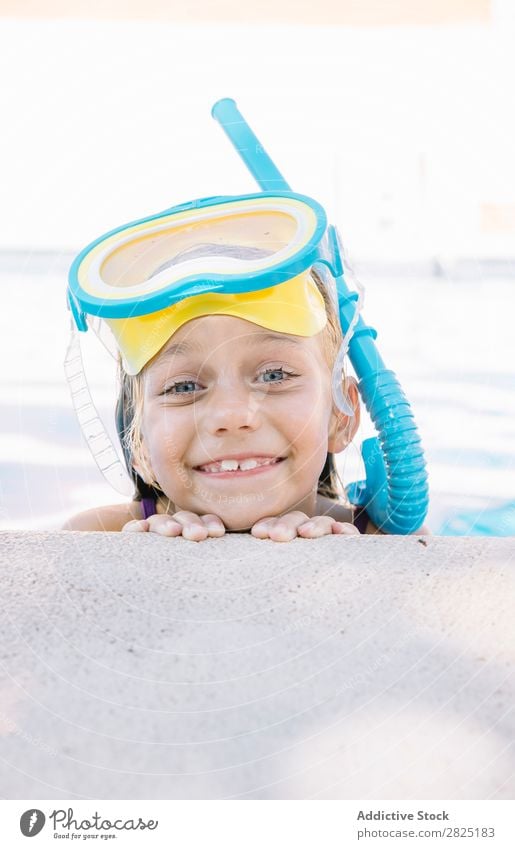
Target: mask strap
[341,400]
[93,429]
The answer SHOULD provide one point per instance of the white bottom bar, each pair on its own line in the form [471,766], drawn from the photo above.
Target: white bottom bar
[254,825]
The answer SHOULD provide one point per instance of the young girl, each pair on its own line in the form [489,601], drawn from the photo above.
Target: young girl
[232,426]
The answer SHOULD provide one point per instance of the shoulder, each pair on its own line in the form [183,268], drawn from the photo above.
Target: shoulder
[343,513]
[108,518]
[337,511]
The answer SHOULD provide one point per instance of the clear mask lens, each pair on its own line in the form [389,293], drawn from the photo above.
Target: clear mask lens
[104,334]
[340,399]
[229,239]
[99,442]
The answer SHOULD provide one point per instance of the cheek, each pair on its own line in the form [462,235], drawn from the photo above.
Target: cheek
[164,436]
[307,425]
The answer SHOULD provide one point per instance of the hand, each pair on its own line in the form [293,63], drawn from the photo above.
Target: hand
[287,527]
[189,525]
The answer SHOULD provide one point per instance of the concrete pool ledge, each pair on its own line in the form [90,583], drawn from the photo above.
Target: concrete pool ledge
[356,668]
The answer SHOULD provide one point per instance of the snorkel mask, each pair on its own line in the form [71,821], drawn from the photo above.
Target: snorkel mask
[248,256]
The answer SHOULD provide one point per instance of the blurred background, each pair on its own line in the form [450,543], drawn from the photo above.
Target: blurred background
[395,114]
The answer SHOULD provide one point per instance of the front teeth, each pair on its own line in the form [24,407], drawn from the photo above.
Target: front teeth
[234,465]
[245,465]
[229,465]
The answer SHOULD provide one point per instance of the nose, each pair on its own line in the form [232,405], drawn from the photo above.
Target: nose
[233,407]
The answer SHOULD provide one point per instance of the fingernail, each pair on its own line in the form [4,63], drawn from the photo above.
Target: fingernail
[164,527]
[347,529]
[284,531]
[193,529]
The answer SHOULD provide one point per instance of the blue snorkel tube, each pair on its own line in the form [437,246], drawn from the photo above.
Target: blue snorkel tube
[395,492]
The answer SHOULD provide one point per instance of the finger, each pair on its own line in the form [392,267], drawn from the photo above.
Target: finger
[345,528]
[185,516]
[263,526]
[164,525]
[192,525]
[135,526]
[214,525]
[317,526]
[284,528]
[260,529]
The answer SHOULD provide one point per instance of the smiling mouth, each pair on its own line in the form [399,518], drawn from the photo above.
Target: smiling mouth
[237,473]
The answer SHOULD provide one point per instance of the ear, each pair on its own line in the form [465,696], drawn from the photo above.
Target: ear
[342,428]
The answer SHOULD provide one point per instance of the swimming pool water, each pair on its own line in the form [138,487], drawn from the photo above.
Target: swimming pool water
[450,343]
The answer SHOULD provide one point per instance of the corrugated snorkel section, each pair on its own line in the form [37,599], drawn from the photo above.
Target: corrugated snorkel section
[399,505]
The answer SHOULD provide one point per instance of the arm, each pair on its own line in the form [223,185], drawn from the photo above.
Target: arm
[109,518]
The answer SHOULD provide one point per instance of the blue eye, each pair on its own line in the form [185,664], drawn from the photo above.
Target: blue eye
[178,387]
[283,375]
[278,375]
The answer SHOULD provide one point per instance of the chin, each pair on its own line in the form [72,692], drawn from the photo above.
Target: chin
[239,517]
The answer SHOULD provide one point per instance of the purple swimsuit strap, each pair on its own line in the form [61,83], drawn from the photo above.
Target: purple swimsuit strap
[360,519]
[149,507]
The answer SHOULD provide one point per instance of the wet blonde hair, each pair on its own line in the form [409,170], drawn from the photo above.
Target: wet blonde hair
[130,414]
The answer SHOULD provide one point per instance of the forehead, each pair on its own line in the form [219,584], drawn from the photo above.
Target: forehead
[208,333]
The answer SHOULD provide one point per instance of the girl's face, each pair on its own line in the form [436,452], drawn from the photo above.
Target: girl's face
[224,388]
